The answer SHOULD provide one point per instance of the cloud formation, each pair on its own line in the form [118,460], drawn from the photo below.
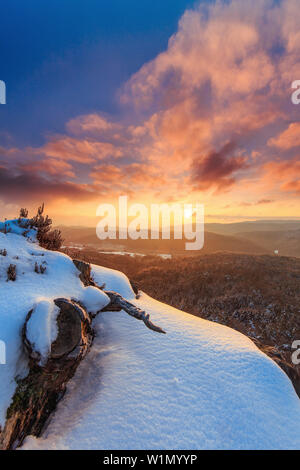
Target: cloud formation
[17,187]
[288,139]
[286,174]
[209,114]
[217,168]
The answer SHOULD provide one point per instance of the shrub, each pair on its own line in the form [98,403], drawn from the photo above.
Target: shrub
[39,269]
[23,213]
[42,269]
[11,272]
[47,238]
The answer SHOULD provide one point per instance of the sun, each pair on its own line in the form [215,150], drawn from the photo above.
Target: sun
[188,212]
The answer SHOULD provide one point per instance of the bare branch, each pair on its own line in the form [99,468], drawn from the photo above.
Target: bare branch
[117,302]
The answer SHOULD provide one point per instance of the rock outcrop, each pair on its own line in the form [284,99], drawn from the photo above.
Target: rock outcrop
[85,272]
[37,394]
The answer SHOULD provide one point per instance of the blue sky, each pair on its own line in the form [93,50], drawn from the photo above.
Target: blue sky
[60,59]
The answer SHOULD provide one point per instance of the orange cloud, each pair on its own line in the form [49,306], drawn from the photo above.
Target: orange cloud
[284,173]
[51,167]
[287,139]
[261,202]
[90,123]
[225,44]
[128,179]
[83,151]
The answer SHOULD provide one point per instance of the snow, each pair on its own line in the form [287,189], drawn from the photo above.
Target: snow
[113,281]
[201,386]
[19,228]
[93,299]
[42,328]
[61,279]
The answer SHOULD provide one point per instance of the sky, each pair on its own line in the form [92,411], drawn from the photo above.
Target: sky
[173,101]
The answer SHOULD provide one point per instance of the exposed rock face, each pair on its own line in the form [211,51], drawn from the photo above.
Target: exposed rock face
[37,395]
[134,287]
[75,332]
[85,272]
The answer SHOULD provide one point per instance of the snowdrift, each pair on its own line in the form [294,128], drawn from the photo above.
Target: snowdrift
[200,386]
[33,290]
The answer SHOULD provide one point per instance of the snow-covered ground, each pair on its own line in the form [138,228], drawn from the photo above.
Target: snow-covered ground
[33,290]
[200,386]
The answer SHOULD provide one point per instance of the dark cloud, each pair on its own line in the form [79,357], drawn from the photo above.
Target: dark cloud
[217,168]
[23,186]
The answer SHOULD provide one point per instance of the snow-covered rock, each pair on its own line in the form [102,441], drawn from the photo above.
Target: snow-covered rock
[41,328]
[32,290]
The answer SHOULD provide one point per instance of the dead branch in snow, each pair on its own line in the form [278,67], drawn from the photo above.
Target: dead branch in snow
[117,303]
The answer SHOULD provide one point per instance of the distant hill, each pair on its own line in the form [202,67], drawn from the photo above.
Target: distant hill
[286,242]
[213,242]
[253,226]
[257,237]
